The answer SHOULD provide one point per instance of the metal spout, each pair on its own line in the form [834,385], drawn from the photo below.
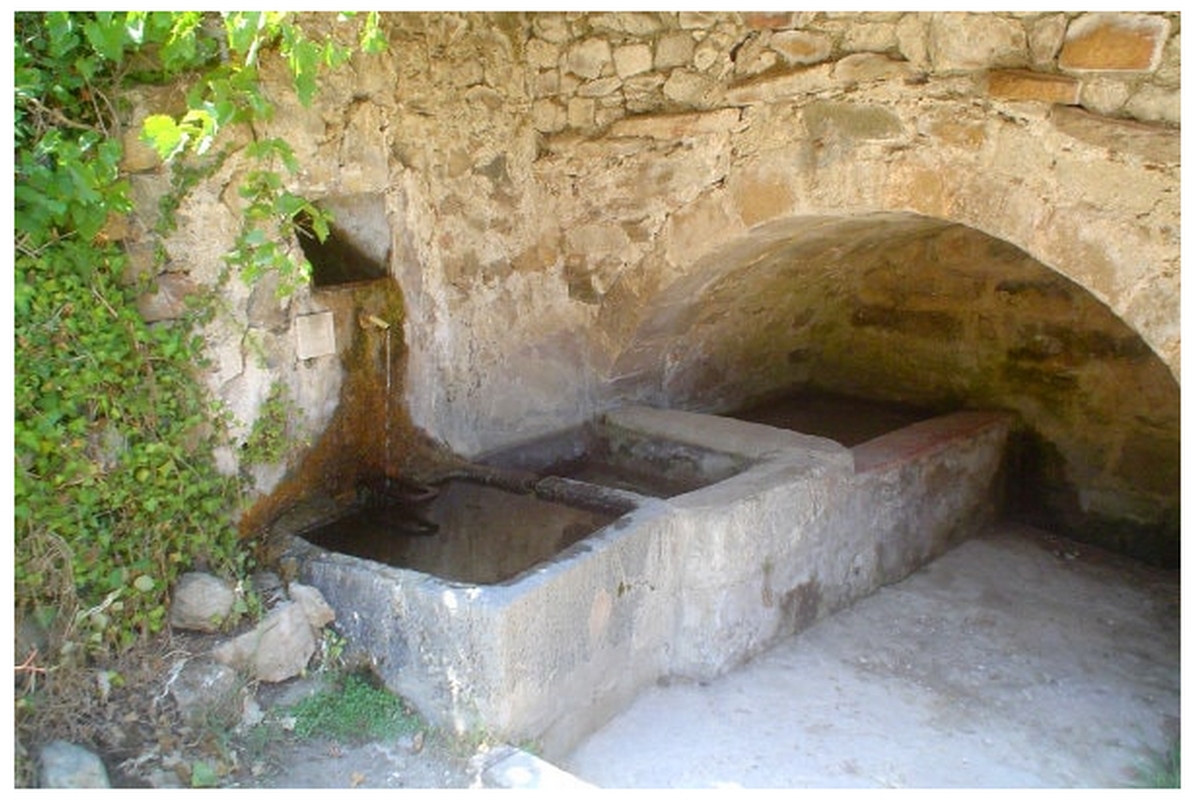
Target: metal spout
[376,321]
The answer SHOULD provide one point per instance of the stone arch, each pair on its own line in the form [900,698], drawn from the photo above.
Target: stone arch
[631,221]
[896,306]
[1094,199]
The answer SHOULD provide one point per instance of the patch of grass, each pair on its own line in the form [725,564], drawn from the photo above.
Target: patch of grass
[1163,773]
[355,709]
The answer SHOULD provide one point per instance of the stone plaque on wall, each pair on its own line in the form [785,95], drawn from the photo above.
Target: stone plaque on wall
[314,335]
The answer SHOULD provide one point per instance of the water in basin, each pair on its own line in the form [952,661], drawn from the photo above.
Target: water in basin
[847,420]
[466,532]
[644,465]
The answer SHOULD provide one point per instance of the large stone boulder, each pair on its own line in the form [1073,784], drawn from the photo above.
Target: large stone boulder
[70,766]
[201,602]
[204,690]
[283,643]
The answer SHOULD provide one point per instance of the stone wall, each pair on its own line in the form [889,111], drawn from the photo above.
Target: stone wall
[592,209]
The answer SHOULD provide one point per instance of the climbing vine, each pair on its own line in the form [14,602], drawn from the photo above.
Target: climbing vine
[116,488]
[270,440]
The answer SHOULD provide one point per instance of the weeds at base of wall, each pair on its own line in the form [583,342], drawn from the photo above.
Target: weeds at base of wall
[353,708]
[1162,773]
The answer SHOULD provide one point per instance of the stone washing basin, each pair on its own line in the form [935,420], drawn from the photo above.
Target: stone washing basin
[782,529]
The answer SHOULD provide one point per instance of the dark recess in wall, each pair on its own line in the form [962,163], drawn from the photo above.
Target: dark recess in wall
[337,260]
[1038,492]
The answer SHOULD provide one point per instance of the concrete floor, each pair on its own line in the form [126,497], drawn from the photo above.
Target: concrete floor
[1016,660]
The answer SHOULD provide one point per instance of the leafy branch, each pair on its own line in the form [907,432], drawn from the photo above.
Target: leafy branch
[230,93]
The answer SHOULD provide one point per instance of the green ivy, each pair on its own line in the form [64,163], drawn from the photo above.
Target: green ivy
[116,488]
[270,440]
[113,440]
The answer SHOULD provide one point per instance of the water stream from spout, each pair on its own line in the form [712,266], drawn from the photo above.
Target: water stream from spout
[387,409]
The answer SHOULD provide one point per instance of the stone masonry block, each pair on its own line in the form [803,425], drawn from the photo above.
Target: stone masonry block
[169,301]
[548,116]
[600,87]
[1025,85]
[969,41]
[851,120]
[768,19]
[674,50]
[581,112]
[697,20]
[588,59]
[541,54]
[1116,42]
[802,47]
[633,59]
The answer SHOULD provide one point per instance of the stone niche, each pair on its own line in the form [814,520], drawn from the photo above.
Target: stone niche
[358,246]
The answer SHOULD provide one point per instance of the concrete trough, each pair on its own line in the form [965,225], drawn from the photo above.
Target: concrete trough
[683,586]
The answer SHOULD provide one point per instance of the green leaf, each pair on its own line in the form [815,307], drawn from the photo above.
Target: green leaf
[289,205]
[106,34]
[254,238]
[266,149]
[203,125]
[61,27]
[87,67]
[319,220]
[163,134]
[249,31]
[334,54]
[144,583]
[304,59]
[241,30]
[182,47]
[372,40]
